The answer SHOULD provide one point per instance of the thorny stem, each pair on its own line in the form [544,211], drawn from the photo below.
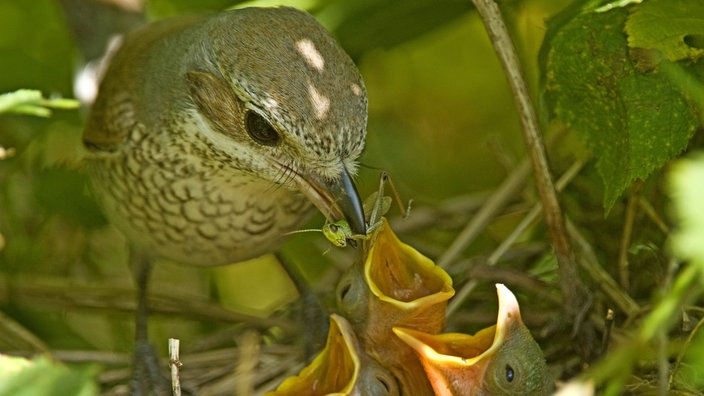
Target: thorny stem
[573,291]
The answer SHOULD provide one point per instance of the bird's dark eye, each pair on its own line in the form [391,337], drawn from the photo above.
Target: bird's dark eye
[260,130]
[509,373]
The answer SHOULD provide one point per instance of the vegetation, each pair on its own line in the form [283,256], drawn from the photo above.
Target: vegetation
[618,89]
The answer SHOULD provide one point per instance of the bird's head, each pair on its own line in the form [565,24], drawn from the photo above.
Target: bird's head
[500,360]
[273,90]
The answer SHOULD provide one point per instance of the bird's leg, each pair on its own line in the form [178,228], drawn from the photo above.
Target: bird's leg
[146,378]
[376,205]
[314,316]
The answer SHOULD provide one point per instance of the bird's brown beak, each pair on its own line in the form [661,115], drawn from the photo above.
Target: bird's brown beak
[336,198]
[454,359]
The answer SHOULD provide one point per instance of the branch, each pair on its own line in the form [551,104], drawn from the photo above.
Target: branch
[175,364]
[573,291]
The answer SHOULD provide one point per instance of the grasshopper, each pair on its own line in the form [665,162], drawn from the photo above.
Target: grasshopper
[376,205]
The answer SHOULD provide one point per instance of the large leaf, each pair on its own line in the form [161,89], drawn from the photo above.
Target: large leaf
[673,27]
[686,191]
[632,121]
[43,377]
[686,186]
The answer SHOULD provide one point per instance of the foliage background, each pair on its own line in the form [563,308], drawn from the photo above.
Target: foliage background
[441,122]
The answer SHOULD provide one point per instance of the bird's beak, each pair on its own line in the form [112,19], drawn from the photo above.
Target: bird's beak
[335,371]
[407,282]
[397,286]
[454,359]
[336,198]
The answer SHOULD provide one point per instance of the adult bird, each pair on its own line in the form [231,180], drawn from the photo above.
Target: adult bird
[211,137]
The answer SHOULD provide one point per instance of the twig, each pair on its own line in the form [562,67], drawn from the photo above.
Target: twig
[653,215]
[496,255]
[606,336]
[16,334]
[53,291]
[247,363]
[175,364]
[623,270]
[573,291]
[601,277]
[661,343]
[440,215]
[683,350]
[499,198]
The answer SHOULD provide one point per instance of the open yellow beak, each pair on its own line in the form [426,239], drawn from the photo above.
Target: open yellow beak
[462,364]
[395,286]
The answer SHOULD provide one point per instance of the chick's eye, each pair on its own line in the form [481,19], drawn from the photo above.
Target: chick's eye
[260,130]
[509,373]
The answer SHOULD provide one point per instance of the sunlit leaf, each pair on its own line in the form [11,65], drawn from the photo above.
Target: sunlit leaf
[690,370]
[673,27]
[687,190]
[31,102]
[632,121]
[43,377]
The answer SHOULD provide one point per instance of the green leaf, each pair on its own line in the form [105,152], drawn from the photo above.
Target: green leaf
[43,377]
[673,27]
[687,190]
[686,185]
[31,102]
[633,122]
[690,370]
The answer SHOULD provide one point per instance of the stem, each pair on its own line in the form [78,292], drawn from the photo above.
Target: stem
[623,265]
[175,363]
[496,255]
[573,291]
[503,194]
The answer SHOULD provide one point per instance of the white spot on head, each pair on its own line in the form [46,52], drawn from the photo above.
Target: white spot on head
[320,102]
[356,89]
[270,103]
[310,54]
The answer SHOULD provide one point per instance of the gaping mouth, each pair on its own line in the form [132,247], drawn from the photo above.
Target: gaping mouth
[463,350]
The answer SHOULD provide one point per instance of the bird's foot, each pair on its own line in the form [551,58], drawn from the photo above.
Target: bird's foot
[147,378]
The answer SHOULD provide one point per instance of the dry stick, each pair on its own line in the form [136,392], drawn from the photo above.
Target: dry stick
[16,333]
[428,216]
[683,350]
[527,220]
[649,211]
[53,291]
[589,262]
[247,363]
[498,199]
[175,364]
[573,291]
[490,206]
[661,343]
[608,326]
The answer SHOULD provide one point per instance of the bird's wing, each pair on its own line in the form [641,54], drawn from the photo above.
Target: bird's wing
[122,98]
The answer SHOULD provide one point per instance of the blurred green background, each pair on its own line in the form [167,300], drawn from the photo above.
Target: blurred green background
[441,121]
